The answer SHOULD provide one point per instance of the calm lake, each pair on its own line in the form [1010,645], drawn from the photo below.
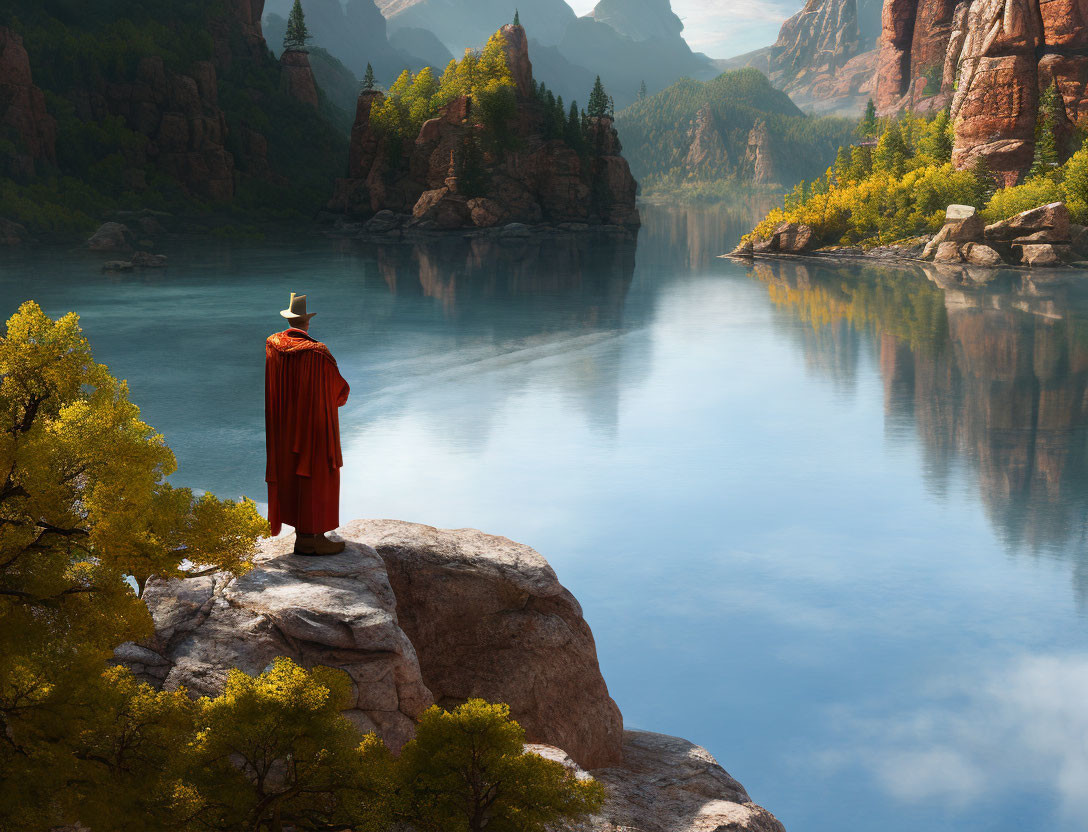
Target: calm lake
[829,522]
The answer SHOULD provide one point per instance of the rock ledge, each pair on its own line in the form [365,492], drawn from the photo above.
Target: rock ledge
[416,615]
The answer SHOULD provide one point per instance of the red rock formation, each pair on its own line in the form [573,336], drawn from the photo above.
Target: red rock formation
[536,180]
[517,58]
[758,158]
[297,78]
[22,108]
[989,59]
[181,117]
[707,150]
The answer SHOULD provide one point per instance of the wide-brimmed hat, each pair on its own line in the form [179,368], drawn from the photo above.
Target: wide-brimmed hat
[297,309]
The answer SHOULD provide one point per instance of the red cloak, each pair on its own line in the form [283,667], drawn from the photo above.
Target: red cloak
[302,390]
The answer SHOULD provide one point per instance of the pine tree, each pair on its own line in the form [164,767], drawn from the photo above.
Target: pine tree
[368,79]
[573,131]
[517,18]
[1047,152]
[598,100]
[297,33]
[868,125]
[642,91]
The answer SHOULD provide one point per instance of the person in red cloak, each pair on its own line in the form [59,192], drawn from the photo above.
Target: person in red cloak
[303,390]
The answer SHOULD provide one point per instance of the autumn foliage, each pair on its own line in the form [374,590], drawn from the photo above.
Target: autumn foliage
[87,518]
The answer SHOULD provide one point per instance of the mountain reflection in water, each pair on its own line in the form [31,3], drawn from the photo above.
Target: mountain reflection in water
[995,377]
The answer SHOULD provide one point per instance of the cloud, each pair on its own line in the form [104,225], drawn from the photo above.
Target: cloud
[983,735]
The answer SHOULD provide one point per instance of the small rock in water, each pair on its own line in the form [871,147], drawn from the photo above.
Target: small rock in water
[117,266]
[148,261]
[110,236]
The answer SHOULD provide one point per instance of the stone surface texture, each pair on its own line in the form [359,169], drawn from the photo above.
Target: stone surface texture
[668,784]
[297,77]
[988,60]
[415,614]
[489,618]
[759,164]
[537,180]
[22,109]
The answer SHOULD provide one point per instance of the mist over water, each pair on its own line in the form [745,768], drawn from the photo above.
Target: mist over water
[827,521]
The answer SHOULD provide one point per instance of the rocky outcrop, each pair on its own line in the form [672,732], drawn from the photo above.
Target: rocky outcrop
[180,116]
[415,615]
[667,784]
[535,179]
[1039,237]
[988,60]
[489,618]
[758,164]
[111,236]
[788,238]
[706,151]
[297,77]
[819,39]
[23,115]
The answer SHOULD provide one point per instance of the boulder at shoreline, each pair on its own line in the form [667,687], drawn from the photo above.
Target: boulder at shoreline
[417,615]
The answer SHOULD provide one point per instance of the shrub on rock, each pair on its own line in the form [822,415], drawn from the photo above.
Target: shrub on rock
[467,770]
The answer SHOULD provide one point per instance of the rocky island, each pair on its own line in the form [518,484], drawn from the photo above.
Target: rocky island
[531,177]
[417,615]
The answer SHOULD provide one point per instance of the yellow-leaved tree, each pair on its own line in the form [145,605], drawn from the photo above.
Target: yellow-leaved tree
[467,770]
[482,75]
[85,513]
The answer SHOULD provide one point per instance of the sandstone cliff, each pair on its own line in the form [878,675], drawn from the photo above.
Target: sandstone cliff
[22,110]
[416,615]
[533,180]
[988,59]
[195,97]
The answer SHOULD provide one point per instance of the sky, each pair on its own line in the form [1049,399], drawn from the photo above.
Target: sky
[723,28]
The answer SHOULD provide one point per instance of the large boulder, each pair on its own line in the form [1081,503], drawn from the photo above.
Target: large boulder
[336,611]
[788,238]
[962,224]
[443,207]
[415,614]
[489,618]
[110,236]
[667,784]
[980,254]
[1045,224]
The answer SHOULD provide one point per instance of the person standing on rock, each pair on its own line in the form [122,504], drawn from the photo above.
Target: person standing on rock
[303,390]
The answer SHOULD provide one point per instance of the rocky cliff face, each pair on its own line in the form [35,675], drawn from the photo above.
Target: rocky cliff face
[298,78]
[416,615]
[759,164]
[23,117]
[823,56]
[539,181]
[706,150]
[989,59]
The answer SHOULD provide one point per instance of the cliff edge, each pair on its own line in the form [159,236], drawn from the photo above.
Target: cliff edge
[417,615]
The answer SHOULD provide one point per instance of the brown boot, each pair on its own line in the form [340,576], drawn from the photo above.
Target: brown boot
[317,545]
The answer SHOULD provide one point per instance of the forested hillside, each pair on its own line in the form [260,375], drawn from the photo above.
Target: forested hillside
[175,106]
[706,138]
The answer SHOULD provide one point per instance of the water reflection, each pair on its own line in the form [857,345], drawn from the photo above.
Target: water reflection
[995,377]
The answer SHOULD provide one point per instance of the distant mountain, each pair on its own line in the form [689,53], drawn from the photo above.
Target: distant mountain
[465,24]
[824,57]
[639,19]
[626,42]
[631,42]
[355,33]
[735,128]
